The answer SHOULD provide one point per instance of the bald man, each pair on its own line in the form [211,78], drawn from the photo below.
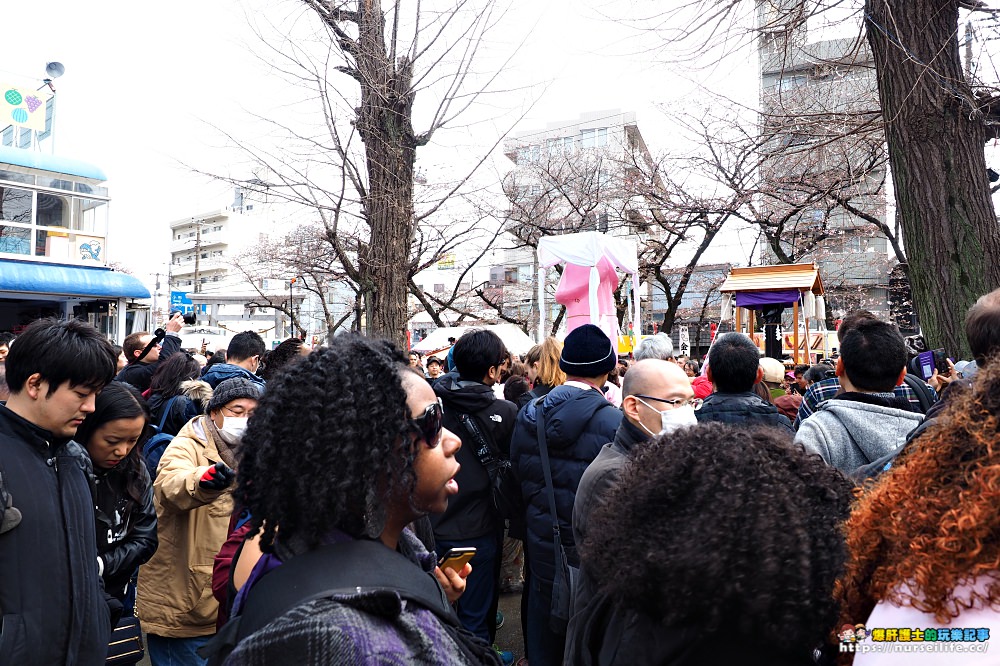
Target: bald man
[656,400]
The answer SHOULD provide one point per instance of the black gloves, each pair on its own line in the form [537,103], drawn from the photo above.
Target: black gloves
[217,477]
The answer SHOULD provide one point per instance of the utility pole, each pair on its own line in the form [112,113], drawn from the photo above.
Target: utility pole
[197,255]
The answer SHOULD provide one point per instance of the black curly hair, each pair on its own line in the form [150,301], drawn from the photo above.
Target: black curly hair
[323,451]
[282,355]
[725,527]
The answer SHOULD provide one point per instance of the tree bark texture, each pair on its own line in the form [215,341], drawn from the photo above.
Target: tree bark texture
[384,124]
[935,136]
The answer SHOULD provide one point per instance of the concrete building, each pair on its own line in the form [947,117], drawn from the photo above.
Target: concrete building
[569,176]
[823,164]
[54,245]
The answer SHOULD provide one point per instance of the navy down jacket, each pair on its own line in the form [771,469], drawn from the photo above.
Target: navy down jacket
[578,423]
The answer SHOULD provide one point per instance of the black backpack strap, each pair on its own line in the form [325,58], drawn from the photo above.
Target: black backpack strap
[341,568]
[543,449]
[919,387]
[484,452]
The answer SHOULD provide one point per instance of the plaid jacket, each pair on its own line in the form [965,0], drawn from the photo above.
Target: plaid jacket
[822,391]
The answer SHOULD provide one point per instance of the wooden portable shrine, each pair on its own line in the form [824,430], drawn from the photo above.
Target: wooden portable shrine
[783,285]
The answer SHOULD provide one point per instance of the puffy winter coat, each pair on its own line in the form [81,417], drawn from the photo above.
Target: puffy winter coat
[578,423]
[175,587]
[53,606]
[220,372]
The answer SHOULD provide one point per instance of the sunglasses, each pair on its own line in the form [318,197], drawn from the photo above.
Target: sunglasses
[429,425]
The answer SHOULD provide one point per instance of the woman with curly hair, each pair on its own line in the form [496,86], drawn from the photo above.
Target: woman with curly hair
[123,493]
[719,545]
[285,353]
[345,450]
[924,542]
[176,386]
[543,369]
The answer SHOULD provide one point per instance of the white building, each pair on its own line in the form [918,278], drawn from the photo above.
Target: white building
[570,176]
[826,167]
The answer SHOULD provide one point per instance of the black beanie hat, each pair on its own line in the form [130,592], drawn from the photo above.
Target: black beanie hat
[234,389]
[587,352]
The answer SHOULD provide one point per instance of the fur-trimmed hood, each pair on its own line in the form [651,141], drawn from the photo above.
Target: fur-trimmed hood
[198,390]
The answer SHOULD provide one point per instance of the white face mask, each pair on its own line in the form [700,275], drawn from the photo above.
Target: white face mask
[233,428]
[671,419]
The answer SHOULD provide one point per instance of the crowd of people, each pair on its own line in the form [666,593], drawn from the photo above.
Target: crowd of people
[355,504]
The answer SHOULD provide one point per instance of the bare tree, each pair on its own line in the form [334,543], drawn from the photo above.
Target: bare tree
[934,125]
[356,167]
[304,256]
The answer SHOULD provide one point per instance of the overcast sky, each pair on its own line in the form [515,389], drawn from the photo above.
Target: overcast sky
[148,85]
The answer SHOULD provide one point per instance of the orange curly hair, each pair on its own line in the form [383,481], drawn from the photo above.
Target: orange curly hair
[932,521]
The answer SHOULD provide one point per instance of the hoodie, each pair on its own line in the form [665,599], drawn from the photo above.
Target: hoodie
[578,423]
[469,514]
[854,429]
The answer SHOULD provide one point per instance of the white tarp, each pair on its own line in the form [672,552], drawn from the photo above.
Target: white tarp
[513,338]
[586,249]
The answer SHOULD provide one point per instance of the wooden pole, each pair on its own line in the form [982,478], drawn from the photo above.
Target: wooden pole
[739,321]
[795,335]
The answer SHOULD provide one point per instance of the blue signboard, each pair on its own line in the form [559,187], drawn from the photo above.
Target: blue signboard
[179,301]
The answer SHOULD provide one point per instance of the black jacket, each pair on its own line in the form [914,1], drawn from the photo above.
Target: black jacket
[126,529]
[140,374]
[610,635]
[742,409]
[469,513]
[599,478]
[540,391]
[53,606]
[191,402]
[578,423]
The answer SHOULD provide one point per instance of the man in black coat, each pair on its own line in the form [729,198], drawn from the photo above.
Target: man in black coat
[578,421]
[471,410]
[656,400]
[50,590]
[733,368]
[139,371]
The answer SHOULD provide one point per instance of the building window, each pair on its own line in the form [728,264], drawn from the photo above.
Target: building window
[602,136]
[7,138]
[569,143]
[555,147]
[24,138]
[15,205]
[588,138]
[438,288]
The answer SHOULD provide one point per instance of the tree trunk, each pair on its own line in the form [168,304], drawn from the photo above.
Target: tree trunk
[935,135]
[390,151]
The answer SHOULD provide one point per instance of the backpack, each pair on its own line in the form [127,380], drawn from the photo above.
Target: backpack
[153,448]
[919,387]
[344,568]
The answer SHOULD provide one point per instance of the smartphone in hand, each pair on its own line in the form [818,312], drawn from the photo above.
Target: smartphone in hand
[456,558]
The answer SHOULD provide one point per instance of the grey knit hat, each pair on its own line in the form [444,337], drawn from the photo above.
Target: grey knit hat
[234,389]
